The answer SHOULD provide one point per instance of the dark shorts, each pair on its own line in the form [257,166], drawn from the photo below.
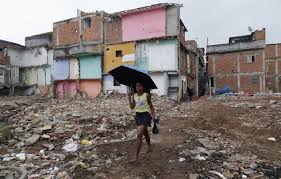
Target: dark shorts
[143,119]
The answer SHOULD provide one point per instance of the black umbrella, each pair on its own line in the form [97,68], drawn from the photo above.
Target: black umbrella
[128,75]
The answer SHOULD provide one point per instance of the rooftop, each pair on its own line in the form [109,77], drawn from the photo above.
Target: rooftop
[146,8]
[4,43]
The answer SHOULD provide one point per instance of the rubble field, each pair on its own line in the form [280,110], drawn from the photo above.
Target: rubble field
[212,137]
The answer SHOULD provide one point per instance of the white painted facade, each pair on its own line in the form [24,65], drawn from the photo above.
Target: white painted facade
[162,55]
[30,57]
[73,69]
[108,85]
[161,80]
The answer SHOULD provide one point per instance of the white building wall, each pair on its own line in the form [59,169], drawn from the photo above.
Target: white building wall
[108,85]
[73,69]
[161,80]
[30,57]
[50,57]
[16,56]
[35,57]
[163,55]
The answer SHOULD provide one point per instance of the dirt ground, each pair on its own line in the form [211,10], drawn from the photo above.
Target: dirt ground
[213,137]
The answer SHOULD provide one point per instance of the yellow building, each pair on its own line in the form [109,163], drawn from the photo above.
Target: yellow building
[118,54]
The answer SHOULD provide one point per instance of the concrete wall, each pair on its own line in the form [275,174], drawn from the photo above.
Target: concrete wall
[157,55]
[163,55]
[172,15]
[73,68]
[30,56]
[142,25]
[111,61]
[108,85]
[90,67]
[15,56]
[142,56]
[91,87]
[228,48]
[61,69]
[40,76]
[2,74]
[162,82]
[41,40]
[66,89]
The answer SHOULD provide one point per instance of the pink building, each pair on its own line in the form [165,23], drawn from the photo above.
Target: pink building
[146,24]
[154,21]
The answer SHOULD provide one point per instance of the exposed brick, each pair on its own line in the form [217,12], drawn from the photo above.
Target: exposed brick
[256,66]
[260,34]
[270,51]
[270,67]
[94,32]
[113,30]
[226,63]
[270,83]
[66,33]
[247,84]
[231,81]
[4,60]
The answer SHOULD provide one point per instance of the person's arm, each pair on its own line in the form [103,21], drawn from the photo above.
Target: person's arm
[131,100]
[151,105]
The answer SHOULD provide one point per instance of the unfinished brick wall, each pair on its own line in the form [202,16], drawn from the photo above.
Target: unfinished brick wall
[225,63]
[270,67]
[92,33]
[270,51]
[4,60]
[251,67]
[273,67]
[226,69]
[66,33]
[270,83]
[113,30]
[223,81]
[183,62]
[250,84]
[260,34]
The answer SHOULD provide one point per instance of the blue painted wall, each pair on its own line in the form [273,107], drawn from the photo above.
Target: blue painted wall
[61,69]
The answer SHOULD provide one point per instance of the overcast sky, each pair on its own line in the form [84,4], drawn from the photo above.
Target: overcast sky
[212,19]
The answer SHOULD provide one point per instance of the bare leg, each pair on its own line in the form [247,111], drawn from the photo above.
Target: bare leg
[147,139]
[141,130]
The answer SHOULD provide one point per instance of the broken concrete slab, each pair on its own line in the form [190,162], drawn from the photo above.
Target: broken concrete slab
[32,140]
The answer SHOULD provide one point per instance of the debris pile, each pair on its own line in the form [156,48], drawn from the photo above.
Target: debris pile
[215,137]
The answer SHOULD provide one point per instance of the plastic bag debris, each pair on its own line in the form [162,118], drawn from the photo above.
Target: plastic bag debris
[70,146]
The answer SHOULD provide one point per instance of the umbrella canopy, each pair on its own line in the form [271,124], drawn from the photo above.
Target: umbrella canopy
[128,76]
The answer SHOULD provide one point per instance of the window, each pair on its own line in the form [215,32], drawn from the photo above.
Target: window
[212,81]
[116,83]
[119,53]
[87,23]
[255,79]
[251,59]
[1,72]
